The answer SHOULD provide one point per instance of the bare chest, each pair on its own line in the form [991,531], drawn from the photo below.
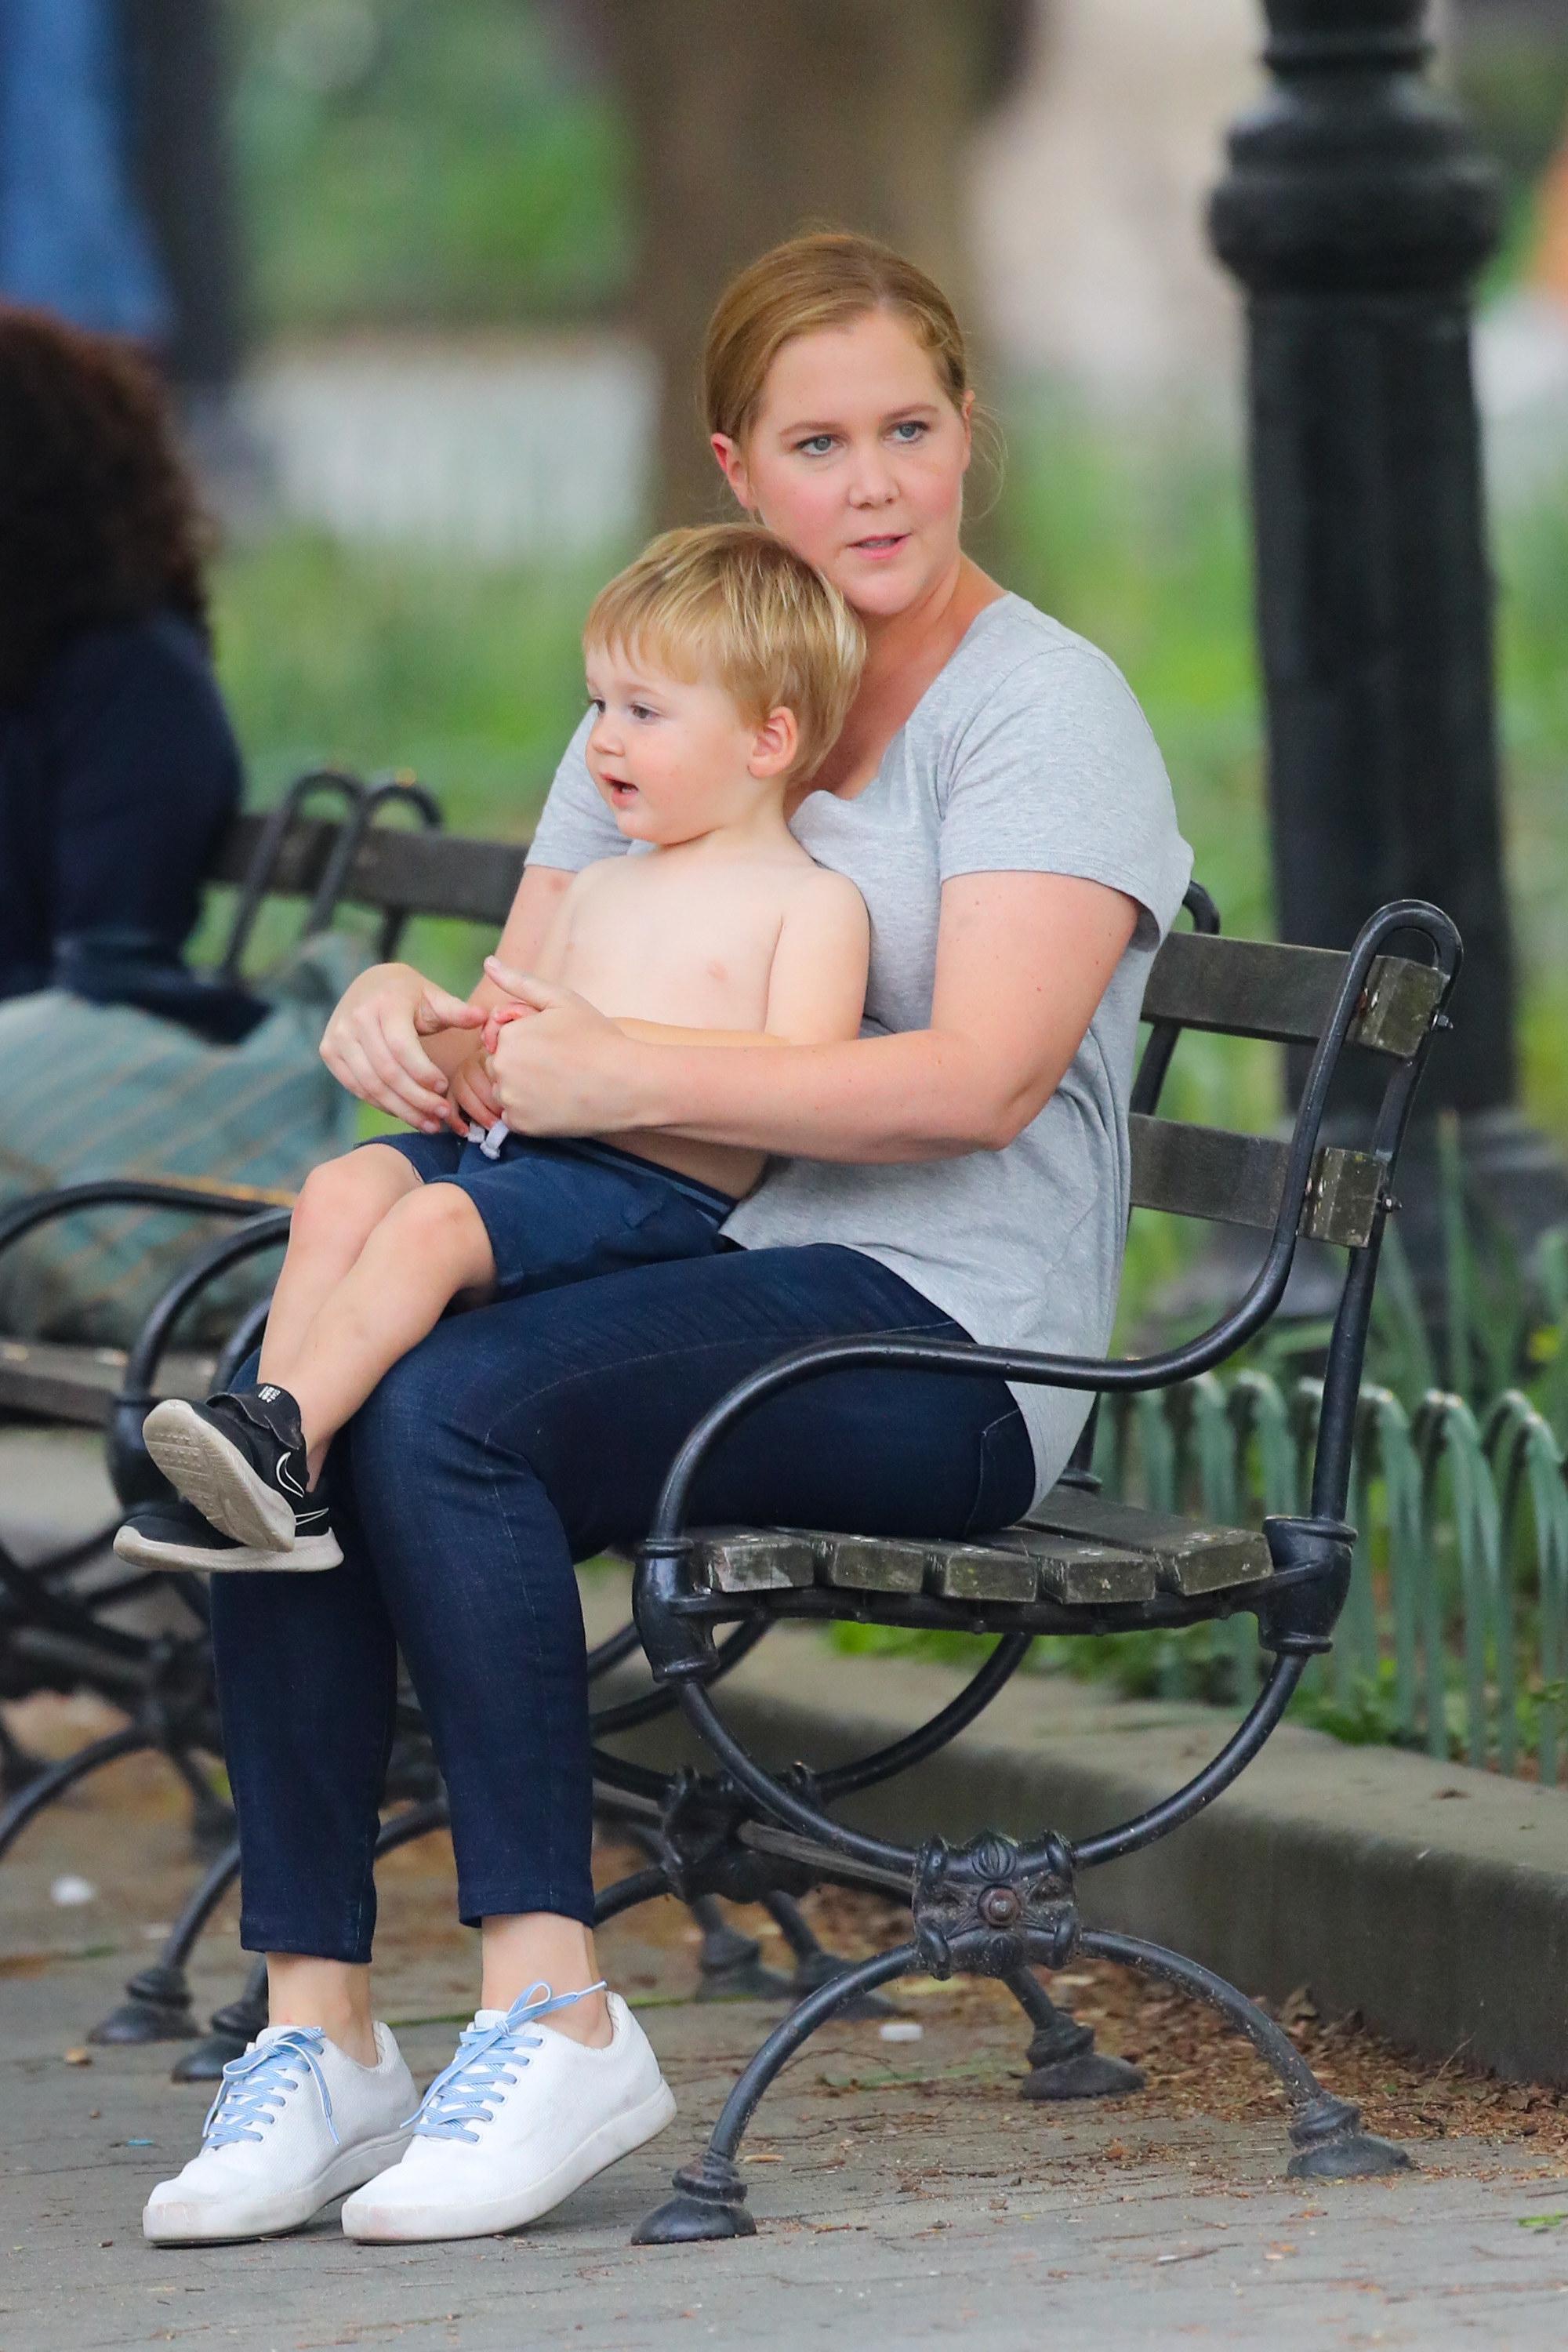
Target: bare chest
[695,951]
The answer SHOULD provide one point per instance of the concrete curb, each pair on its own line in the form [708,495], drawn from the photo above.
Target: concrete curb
[1432,1899]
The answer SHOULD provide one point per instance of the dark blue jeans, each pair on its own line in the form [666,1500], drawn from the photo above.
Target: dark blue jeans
[512,1442]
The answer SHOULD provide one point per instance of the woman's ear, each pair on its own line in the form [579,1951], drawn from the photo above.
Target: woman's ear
[776,745]
[733,465]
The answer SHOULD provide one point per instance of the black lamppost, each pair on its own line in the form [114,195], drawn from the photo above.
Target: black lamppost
[1357,213]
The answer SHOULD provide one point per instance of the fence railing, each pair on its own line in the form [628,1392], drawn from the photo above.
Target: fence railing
[1455,1634]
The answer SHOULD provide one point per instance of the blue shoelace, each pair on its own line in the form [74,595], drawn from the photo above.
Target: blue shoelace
[261,2080]
[488,2061]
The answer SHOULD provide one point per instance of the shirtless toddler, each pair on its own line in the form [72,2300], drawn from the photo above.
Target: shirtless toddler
[720,668]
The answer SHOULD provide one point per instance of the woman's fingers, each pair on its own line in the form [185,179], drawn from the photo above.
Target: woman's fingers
[534,995]
[394,1047]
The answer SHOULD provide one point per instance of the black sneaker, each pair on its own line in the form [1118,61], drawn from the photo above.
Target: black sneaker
[239,1458]
[175,1535]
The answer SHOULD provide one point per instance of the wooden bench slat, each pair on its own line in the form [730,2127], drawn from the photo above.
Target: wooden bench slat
[1018,1565]
[421,873]
[1258,988]
[1239,1179]
[80,1384]
[1188,1556]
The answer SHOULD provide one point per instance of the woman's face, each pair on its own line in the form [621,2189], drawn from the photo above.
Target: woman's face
[857,459]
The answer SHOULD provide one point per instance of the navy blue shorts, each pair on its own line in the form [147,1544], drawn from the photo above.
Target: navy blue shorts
[564,1212]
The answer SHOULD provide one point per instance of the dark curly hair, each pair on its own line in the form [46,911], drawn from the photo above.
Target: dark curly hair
[98,519]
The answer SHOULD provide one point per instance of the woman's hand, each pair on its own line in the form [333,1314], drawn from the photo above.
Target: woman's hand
[373,1042]
[566,1070]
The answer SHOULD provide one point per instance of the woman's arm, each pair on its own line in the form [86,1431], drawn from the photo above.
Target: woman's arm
[1023,960]
[398,1041]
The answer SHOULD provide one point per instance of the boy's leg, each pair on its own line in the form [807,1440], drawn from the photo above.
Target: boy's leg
[340,1206]
[426,1249]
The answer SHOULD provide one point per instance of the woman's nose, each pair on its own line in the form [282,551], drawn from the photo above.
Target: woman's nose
[872,482]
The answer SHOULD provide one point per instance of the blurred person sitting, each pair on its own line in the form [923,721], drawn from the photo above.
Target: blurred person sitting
[119,769]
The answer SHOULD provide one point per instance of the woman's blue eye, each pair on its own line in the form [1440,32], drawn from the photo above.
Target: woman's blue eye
[911,429]
[816,447]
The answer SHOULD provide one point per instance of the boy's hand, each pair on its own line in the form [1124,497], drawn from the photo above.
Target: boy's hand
[470,1102]
[566,1072]
[497,1018]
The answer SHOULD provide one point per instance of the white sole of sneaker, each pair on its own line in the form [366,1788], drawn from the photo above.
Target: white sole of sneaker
[199,2223]
[214,1476]
[310,1553]
[617,2137]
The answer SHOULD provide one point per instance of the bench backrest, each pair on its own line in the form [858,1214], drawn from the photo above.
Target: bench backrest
[1255,988]
[1237,988]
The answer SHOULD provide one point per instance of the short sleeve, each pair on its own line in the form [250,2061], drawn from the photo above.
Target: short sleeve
[1057,772]
[575,827]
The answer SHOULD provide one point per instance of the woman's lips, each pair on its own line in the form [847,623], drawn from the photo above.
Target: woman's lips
[879,549]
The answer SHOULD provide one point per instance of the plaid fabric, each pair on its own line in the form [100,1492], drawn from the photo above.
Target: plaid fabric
[104,1090]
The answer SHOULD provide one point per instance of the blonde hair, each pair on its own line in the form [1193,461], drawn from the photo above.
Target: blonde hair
[827,279]
[734,605]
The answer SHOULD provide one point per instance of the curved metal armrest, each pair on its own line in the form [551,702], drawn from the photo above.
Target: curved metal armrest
[134,1192]
[1171,1364]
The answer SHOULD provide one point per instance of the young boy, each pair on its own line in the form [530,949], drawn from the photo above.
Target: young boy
[720,668]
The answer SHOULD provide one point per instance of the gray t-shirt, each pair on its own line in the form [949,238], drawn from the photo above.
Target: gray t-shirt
[1027,753]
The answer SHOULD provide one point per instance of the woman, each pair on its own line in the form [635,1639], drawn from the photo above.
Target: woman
[960,1170]
[119,771]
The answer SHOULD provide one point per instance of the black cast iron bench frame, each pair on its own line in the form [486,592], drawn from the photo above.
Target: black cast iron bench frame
[997,1906]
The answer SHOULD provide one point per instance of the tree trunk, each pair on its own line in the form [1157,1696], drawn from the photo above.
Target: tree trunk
[751,122]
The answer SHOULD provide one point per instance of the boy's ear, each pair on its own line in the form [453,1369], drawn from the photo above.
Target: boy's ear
[776,744]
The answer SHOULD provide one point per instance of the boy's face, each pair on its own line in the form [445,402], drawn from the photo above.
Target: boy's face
[675,759]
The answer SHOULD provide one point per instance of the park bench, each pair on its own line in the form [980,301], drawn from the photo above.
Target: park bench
[1080,1564]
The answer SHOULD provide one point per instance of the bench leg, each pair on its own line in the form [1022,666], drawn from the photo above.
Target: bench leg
[814,1966]
[1063,2060]
[729,1966]
[56,1778]
[212,1817]
[1326,2133]
[19,1767]
[711,2196]
[157,2004]
[232,2028]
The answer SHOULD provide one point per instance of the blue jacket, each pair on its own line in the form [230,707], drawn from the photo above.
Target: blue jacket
[118,779]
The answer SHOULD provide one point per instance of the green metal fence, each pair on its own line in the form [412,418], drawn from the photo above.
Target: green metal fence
[1455,1635]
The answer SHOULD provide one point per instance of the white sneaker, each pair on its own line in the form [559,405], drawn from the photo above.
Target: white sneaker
[518,2119]
[296,2123]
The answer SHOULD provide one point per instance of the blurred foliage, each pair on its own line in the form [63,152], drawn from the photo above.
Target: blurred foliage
[436,165]
[472,675]
[1510,74]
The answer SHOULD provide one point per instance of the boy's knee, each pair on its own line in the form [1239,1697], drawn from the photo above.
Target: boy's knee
[439,1219]
[329,1191]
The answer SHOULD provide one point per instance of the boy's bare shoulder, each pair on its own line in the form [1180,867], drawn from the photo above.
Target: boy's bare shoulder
[818,892]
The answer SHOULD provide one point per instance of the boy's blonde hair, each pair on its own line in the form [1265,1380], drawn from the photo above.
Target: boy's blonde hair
[734,605]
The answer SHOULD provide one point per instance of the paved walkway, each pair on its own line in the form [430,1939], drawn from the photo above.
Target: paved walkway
[899,2188]
[916,2198]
